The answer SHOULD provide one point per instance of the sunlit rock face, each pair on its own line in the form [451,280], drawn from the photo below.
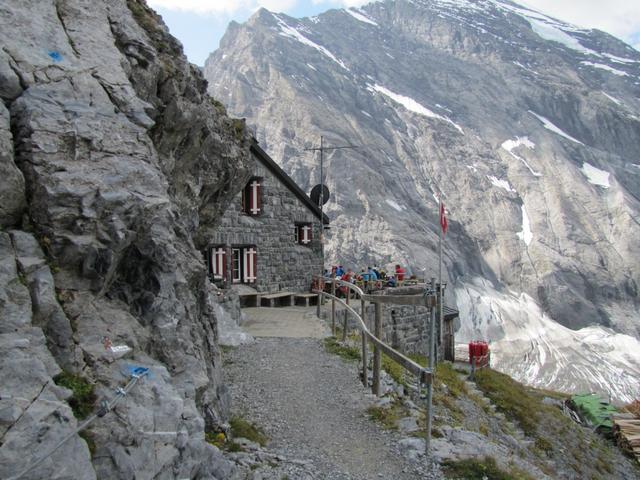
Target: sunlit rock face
[529,127]
[114,162]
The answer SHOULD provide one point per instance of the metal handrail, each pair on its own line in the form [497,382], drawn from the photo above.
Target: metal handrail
[422,373]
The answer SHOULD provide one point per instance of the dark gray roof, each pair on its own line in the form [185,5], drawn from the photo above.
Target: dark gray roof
[450,313]
[268,162]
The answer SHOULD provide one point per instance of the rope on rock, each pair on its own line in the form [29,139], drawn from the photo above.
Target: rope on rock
[105,407]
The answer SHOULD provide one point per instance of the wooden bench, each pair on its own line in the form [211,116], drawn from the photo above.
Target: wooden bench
[281,298]
[249,300]
[307,297]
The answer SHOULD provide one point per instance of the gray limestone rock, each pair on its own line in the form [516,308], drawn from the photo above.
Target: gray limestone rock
[34,409]
[12,187]
[127,163]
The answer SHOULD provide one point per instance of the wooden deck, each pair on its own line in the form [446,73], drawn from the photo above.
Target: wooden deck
[626,431]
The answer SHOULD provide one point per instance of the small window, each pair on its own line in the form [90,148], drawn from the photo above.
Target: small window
[252,197]
[304,233]
[244,264]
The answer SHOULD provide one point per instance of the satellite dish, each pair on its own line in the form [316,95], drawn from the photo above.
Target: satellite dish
[315,194]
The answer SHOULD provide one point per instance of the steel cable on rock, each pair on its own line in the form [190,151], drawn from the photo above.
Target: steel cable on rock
[105,408]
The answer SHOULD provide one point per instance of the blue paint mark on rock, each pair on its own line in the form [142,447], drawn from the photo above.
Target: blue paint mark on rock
[55,56]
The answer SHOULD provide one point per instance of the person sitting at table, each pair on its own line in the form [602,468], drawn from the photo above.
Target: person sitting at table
[382,275]
[373,276]
[400,273]
[347,277]
[391,281]
[364,274]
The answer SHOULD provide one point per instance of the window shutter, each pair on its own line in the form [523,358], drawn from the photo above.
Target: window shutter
[250,263]
[218,262]
[255,266]
[305,234]
[259,195]
[223,260]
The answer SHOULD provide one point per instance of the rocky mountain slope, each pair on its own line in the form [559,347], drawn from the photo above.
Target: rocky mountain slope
[115,162]
[529,127]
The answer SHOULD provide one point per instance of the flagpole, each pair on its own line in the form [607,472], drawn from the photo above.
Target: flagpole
[440,273]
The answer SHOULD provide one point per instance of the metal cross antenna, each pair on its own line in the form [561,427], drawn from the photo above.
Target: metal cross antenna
[322,149]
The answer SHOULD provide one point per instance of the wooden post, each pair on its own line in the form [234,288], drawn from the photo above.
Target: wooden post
[333,305]
[344,326]
[319,286]
[375,388]
[365,354]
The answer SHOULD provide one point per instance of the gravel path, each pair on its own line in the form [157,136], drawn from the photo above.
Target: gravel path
[313,407]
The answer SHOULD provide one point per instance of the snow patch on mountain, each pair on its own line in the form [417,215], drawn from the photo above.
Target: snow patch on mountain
[511,145]
[290,32]
[613,99]
[504,184]
[411,105]
[531,347]
[549,28]
[526,235]
[518,64]
[550,126]
[395,205]
[617,59]
[595,176]
[358,15]
[602,66]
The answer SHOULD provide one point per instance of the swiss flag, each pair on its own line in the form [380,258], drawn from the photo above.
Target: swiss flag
[443,219]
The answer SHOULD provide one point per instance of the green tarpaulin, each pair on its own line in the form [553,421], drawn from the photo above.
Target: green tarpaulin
[594,409]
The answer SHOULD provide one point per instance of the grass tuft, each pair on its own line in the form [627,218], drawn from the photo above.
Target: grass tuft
[347,352]
[395,370]
[83,400]
[242,428]
[511,398]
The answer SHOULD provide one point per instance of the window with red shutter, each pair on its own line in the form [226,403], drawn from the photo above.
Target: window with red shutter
[250,263]
[218,262]
[304,233]
[252,197]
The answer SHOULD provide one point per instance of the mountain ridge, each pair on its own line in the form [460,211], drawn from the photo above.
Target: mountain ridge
[529,126]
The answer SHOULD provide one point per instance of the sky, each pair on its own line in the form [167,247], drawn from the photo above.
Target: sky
[200,24]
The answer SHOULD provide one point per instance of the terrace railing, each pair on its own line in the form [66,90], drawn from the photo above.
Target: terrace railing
[428,298]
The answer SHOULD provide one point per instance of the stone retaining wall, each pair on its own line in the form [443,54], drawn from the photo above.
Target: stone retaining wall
[403,327]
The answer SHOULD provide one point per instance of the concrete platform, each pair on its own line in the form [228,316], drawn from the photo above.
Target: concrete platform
[284,322]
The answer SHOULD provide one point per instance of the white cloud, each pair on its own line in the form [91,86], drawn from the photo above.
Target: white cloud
[222,6]
[344,3]
[618,17]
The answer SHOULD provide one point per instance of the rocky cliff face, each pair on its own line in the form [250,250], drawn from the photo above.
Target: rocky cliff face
[115,164]
[528,126]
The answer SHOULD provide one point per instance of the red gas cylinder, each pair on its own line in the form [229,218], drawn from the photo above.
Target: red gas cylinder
[471,351]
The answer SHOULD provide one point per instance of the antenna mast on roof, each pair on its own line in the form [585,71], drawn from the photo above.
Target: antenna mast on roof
[321,202]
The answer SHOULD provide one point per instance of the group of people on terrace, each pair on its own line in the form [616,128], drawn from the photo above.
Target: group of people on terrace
[370,278]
